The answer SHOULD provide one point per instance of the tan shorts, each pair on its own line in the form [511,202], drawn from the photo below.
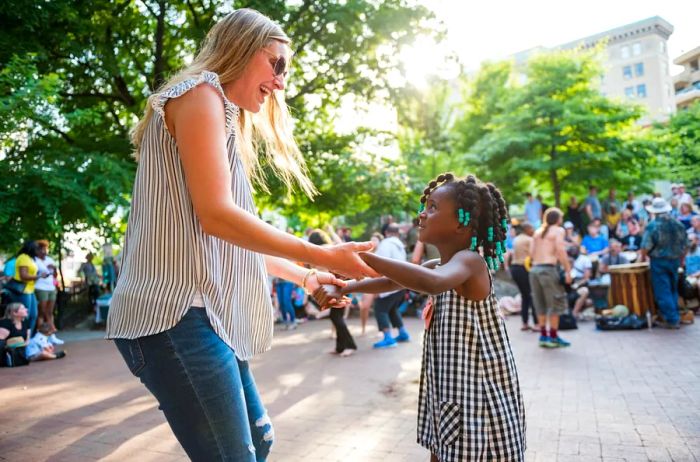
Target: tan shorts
[548,295]
[45,295]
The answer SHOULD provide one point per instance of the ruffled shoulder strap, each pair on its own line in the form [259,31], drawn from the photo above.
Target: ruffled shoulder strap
[158,102]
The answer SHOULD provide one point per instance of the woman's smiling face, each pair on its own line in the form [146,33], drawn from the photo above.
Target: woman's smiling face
[260,79]
[439,219]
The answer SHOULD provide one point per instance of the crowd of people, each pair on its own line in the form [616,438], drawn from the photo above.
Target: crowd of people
[29,286]
[598,234]
[293,305]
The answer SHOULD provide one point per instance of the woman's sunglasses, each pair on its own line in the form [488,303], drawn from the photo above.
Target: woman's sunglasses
[279,65]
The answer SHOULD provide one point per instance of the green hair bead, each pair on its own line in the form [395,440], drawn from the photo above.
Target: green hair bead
[490,233]
[474,243]
[504,223]
[421,208]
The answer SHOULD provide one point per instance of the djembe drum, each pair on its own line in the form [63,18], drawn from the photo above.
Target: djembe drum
[630,285]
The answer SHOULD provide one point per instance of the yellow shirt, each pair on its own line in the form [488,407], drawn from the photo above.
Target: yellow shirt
[32,269]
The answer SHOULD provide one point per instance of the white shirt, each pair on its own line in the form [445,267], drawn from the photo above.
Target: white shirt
[168,259]
[37,344]
[582,263]
[46,283]
[393,248]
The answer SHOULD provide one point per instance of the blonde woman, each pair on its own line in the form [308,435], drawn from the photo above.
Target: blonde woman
[191,305]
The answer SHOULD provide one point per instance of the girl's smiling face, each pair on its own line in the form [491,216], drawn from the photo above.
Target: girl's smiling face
[438,221]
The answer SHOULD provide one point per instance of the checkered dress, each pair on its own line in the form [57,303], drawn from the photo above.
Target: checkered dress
[470,407]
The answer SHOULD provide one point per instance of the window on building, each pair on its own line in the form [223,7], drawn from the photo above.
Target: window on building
[639,69]
[627,72]
[641,91]
[625,52]
[662,47]
[629,92]
[636,49]
[694,65]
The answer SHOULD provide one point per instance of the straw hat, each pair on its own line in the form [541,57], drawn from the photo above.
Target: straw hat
[658,205]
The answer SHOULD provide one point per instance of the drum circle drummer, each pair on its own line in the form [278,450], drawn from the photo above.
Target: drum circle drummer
[665,243]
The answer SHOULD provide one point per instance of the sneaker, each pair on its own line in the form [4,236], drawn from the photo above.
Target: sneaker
[546,342]
[559,342]
[667,325]
[55,340]
[347,352]
[386,343]
[402,337]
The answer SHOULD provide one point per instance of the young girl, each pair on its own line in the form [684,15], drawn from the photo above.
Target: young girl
[470,406]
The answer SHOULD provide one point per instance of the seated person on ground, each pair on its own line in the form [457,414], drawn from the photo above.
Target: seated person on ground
[633,240]
[40,347]
[581,273]
[614,257]
[594,243]
[692,263]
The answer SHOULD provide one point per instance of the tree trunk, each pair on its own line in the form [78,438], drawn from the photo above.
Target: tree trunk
[554,178]
[159,62]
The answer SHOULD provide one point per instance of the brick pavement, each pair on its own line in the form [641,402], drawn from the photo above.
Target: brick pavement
[613,396]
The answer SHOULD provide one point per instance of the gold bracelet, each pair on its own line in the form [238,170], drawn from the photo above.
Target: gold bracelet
[306,276]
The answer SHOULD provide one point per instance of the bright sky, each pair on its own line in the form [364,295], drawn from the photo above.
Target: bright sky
[479,31]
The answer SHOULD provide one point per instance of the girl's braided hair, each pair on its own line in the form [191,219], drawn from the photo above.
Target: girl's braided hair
[488,213]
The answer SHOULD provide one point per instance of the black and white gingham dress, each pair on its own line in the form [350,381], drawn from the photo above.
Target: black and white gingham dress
[470,407]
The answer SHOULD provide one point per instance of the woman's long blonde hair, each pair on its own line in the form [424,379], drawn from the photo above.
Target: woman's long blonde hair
[226,51]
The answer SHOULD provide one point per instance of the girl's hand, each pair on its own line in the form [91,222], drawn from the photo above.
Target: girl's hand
[330,296]
[343,259]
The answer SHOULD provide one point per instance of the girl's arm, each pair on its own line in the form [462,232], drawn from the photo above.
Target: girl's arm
[383,284]
[420,278]
[327,295]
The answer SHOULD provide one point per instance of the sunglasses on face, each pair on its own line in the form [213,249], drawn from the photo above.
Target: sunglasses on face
[279,65]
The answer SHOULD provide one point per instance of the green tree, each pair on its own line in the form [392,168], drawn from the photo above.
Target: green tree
[426,136]
[560,131]
[682,143]
[88,68]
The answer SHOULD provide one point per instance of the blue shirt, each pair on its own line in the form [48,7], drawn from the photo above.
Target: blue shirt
[665,237]
[533,212]
[594,244]
[595,206]
[692,262]
[9,269]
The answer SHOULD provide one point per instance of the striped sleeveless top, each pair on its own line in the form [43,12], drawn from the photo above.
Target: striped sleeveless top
[168,259]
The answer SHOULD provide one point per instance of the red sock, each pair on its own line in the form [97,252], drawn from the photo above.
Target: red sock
[543,331]
[552,332]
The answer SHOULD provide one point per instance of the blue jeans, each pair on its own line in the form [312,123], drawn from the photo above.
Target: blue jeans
[386,311]
[29,300]
[284,297]
[208,396]
[664,280]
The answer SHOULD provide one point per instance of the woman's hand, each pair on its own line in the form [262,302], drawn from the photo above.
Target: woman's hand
[321,277]
[343,259]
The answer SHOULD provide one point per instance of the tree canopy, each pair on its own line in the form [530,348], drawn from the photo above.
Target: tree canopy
[76,75]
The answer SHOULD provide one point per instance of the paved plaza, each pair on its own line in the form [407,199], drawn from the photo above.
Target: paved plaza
[612,396]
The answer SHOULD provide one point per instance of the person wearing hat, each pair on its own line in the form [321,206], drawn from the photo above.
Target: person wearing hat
[682,196]
[665,244]
[571,237]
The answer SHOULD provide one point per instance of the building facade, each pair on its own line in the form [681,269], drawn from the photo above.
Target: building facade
[687,83]
[636,65]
